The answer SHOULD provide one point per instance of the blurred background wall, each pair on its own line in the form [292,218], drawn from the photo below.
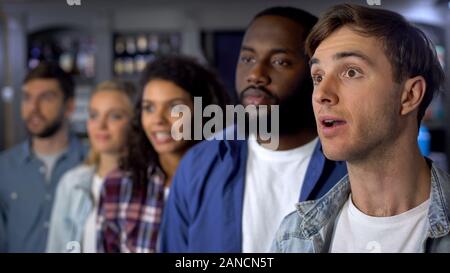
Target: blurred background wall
[100,39]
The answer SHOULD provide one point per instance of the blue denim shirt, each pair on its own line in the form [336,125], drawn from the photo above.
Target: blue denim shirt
[73,204]
[26,198]
[204,209]
[309,229]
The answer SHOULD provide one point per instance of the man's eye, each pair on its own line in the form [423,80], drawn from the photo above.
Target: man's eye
[281,62]
[317,79]
[246,59]
[48,96]
[352,73]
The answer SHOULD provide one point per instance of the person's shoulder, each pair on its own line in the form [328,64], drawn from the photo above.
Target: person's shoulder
[288,229]
[443,179]
[199,165]
[76,176]
[203,151]
[216,145]
[80,170]
[293,220]
[13,150]
[207,148]
[11,155]
[78,146]
[291,225]
[208,153]
[441,173]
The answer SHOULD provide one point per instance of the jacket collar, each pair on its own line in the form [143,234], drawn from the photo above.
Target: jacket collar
[84,178]
[75,148]
[313,172]
[438,214]
[232,141]
[315,215]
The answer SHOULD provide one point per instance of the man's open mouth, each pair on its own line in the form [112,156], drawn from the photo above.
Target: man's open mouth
[332,122]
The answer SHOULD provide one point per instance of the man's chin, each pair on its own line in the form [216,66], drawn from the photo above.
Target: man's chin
[259,113]
[334,153]
[43,132]
[35,132]
[38,134]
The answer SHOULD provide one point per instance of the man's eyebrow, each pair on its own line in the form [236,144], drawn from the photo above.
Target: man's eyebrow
[247,48]
[280,50]
[283,51]
[48,91]
[355,53]
[346,54]
[313,61]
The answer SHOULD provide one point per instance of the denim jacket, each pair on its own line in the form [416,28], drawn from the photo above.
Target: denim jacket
[72,206]
[309,229]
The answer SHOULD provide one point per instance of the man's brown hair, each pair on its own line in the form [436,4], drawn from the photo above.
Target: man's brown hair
[410,52]
[51,70]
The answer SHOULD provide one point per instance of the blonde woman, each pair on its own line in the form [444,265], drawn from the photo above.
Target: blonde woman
[72,226]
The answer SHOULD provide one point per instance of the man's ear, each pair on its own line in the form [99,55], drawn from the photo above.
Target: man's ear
[69,106]
[412,94]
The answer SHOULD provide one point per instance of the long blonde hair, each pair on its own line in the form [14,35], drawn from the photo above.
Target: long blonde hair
[124,87]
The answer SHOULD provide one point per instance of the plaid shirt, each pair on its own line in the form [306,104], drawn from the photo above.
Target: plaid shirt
[129,215]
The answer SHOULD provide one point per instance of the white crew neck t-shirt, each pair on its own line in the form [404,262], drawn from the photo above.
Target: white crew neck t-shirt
[90,231]
[49,161]
[361,233]
[273,181]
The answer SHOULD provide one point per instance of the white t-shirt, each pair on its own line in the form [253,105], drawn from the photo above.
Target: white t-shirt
[358,232]
[90,231]
[273,182]
[49,161]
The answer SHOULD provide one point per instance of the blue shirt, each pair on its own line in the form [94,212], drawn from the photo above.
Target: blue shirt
[26,198]
[204,209]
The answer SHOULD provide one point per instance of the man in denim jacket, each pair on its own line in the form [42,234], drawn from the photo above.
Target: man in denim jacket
[374,75]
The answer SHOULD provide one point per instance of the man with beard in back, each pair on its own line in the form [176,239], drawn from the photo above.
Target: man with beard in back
[31,170]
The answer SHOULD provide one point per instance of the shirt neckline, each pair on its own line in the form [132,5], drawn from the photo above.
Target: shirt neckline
[416,212]
[285,155]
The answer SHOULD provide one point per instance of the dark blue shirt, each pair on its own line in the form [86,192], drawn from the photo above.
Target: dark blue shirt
[204,209]
[26,197]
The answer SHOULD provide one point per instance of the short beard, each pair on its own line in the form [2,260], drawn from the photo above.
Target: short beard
[296,111]
[50,130]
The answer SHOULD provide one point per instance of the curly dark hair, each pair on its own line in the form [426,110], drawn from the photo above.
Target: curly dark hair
[185,72]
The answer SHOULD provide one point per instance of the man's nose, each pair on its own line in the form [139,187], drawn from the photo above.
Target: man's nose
[325,92]
[258,75]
